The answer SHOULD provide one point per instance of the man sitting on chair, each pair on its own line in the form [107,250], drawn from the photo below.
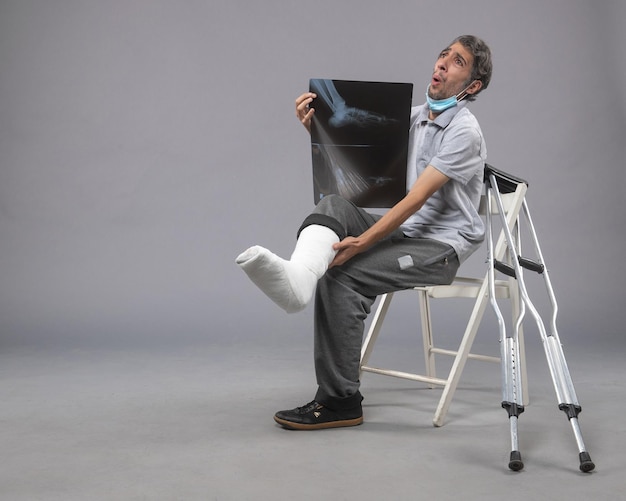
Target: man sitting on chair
[347,256]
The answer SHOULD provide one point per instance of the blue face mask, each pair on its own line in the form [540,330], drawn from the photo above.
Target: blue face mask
[439,105]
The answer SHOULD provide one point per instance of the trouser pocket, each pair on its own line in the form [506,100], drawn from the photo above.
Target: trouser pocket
[441,257]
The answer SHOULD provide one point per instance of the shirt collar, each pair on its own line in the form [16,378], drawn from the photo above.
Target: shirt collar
[444,118]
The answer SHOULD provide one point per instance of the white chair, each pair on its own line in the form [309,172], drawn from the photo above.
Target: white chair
[475,288]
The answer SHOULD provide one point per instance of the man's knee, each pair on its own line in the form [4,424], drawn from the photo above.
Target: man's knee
[330,205]
[330,212]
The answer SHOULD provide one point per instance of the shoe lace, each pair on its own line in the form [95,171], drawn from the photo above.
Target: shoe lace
[309,407]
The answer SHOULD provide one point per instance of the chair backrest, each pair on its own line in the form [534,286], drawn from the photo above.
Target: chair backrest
[507,183]
[508,200]
[508,186]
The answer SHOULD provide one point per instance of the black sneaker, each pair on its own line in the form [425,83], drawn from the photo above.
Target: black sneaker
[314,416]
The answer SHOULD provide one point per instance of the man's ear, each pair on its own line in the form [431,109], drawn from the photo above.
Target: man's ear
[474,87]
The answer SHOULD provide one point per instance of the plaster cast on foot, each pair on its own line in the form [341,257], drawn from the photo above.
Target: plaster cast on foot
[291,284]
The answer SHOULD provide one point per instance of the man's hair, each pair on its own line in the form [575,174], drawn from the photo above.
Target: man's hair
[483,66]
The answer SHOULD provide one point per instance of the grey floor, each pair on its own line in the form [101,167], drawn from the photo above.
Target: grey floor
[189,421]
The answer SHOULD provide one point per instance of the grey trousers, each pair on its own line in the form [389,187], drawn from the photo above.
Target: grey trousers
[345,294]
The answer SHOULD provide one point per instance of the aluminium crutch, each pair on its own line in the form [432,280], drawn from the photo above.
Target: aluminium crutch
[497,182]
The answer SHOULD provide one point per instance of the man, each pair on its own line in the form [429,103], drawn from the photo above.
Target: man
[347,257]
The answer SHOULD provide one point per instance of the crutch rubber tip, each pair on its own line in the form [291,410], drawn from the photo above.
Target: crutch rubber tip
[586,464]
[516,463]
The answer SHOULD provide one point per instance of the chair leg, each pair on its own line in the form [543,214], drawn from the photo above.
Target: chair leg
[427,334]
[461,357]
[374,330]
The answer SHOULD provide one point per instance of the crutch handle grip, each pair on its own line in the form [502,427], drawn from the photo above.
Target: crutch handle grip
[531,265]
[504,268]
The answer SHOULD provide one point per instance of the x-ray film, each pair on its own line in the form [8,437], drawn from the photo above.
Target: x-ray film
[359,140]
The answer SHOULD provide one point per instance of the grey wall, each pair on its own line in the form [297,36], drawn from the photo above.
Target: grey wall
[144,144]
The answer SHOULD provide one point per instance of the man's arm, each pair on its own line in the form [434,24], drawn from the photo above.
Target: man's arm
[427,183]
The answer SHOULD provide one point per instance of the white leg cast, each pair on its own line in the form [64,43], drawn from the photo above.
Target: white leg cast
[291,284]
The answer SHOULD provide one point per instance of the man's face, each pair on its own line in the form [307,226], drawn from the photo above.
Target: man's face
[452,72]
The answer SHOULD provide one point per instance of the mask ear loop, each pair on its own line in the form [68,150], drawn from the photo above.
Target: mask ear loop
[463,94]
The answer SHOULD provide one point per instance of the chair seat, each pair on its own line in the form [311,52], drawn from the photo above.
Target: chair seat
[463,287]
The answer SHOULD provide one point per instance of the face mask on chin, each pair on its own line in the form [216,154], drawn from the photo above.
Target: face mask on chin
[439,105]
